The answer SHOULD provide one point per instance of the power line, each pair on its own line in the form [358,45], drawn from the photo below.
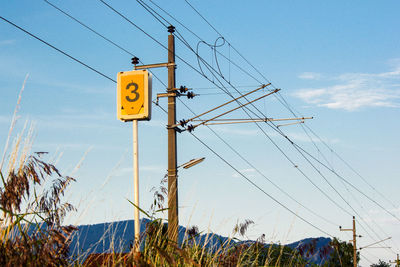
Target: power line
[81,62]
[204,18]
[259,188]
[147,34]
[152,13]
[286,104]
[347,182]
[155,14]
[251,182]
[351,168]
[265,78]
[192,67]
[291,141]
[57,49]
[258,171]
[268,136]
[203,73]
[100,35]
[286,136]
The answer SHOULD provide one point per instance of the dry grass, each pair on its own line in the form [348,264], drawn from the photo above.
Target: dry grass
[32,231]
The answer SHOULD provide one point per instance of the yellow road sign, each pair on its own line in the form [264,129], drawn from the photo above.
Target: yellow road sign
[134,95]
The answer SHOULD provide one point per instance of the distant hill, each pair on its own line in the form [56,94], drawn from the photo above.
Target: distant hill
[317,244]
[99,238]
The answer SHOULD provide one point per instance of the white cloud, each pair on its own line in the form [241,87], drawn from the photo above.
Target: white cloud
[382,217]
[146,168]
[310,76]
[7,42]
[5,119]
[353,91]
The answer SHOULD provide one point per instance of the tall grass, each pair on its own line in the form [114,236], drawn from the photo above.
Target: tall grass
[31,207]
[32,231]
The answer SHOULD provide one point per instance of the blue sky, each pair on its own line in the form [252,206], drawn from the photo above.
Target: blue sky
[338,61]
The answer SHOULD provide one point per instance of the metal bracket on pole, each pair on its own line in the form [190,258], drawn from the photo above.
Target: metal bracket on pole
[166,95]
[176,128]
[157,65]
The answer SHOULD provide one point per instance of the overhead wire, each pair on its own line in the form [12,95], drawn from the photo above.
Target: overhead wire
[291,109]
[201,39]
[258,187]
[62,51]
[259,172]
[265,79]
[155,14]
[98,72]
[100,35]
[332,169]
[57,49]
[352,169]
[261,128]
[220,34]
[298,168]
[282,97]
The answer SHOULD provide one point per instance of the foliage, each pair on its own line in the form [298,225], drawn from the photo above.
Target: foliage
[158,250]
[342,254]
[31,231]
[381,263]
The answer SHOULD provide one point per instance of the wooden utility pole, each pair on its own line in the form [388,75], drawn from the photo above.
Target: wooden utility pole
[173,221]
[172,155]
[354,240]
[397,261]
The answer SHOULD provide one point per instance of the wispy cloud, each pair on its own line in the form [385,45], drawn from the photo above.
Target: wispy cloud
[382,217]
[310,76]
[5,119]
[7,42]
[352,91]
[145,168]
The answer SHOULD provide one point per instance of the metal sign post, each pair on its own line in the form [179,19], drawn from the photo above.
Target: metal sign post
[133,104]
[136,182]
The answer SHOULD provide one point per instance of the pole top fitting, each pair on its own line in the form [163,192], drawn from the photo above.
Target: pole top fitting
[171,29]
[135,60]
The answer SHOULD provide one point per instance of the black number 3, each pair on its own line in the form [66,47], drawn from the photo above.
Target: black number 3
[133,91]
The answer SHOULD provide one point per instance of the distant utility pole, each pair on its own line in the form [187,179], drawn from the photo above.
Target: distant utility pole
[397,261]
[354,240]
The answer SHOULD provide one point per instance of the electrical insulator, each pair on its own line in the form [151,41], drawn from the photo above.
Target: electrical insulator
[182,123]
[183,89]
[190,128]
[190,95]
[135,60]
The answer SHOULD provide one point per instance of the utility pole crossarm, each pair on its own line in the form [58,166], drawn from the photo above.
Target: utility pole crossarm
[220,106]
[240,106]
[158,65]
[235,121]
[368,246]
